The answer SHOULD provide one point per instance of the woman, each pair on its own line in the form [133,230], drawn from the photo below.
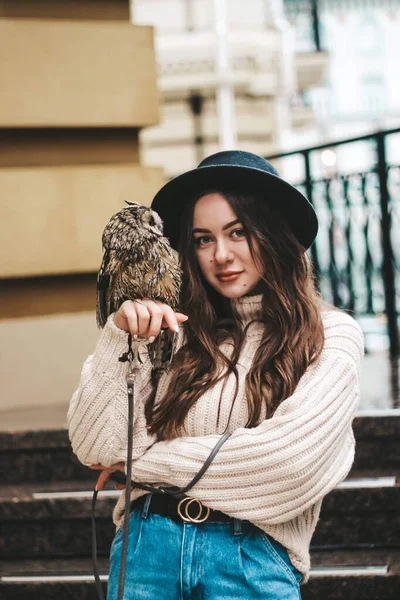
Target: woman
[258,356]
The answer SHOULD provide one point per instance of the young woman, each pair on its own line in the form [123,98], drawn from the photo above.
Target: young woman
[258,356]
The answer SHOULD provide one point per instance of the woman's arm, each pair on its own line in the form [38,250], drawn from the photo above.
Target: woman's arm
[98,411]
[273,472]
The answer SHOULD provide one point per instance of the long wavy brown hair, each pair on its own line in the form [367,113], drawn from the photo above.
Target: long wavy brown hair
[291,313]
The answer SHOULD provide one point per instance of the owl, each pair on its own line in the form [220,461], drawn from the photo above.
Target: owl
[138,262]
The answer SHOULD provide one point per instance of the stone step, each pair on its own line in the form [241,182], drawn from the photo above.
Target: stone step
[46,456]
[36,524]
[350,575]
[377,441]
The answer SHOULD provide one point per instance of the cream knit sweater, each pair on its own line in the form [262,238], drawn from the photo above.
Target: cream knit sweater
[275,474]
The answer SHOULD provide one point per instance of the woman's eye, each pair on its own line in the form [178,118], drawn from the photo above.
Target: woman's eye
[201,241]
[239,233]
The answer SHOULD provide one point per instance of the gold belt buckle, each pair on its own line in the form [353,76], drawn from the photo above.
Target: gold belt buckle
[184,505]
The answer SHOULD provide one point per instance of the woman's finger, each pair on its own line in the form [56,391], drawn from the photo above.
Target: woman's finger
[180,317]
[102,480]
[143,317]
[130,313]
[119,466]
[156,314]
[170,319]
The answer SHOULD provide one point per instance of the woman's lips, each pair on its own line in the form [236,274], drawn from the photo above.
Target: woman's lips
[232,277]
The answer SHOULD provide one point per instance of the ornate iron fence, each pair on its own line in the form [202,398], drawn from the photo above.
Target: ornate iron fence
[357,252]
[305,14]
[348,253]
[356,255]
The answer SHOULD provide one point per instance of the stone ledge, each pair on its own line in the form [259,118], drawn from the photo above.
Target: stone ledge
[326,588]
[20,503]
[364,428]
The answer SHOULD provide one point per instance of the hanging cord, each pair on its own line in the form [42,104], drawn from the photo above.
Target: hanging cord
[94,550]
[130,382]
[132,355]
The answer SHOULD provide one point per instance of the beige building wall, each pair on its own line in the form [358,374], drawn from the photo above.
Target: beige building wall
[63,73]
[41,360]
[78,83]
[56,228]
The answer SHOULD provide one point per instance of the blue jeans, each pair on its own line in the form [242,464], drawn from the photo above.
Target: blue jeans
[209,561]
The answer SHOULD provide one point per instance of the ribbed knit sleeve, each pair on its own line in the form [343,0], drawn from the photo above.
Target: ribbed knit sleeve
[98,411]
[273,472]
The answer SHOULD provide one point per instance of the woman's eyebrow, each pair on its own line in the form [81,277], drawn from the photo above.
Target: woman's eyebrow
[198,230]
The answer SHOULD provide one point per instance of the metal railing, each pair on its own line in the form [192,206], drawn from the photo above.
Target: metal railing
[307,14]
[356,255]
[308,11]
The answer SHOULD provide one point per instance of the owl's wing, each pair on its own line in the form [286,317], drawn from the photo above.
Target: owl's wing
[103,291]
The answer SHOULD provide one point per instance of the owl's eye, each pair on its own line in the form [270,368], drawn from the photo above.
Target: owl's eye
[152,221]
[147,218]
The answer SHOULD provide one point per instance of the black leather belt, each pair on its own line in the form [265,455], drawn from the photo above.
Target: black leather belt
[184,510]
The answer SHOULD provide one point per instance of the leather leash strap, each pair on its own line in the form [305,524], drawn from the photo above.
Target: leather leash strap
[173,491]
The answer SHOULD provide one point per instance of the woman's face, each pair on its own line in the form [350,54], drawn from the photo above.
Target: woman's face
[222,249]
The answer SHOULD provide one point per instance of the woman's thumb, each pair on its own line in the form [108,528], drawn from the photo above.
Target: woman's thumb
[181,318]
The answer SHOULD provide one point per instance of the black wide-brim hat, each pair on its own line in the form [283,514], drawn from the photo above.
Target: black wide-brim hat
[239,171]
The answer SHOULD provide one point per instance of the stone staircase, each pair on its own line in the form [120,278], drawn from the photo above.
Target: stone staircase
[45,510]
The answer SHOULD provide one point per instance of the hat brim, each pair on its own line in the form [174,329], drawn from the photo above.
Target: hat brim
[172,198]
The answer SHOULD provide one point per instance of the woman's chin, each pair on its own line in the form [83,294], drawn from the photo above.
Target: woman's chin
[241,286]
[234,291]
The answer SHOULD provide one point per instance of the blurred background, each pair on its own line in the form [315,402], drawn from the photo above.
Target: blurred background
[104,100]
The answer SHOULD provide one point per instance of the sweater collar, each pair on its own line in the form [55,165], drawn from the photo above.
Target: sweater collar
[248,308]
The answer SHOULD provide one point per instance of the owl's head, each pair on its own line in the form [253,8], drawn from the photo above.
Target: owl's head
[132,226]
[145,217]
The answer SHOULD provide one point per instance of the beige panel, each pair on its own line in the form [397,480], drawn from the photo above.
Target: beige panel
[41,358]
[65,9]
[33,147]
[37,296]
[311,69]
[53,218]
[70,73]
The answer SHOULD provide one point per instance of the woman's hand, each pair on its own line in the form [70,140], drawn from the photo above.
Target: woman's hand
[105,474]
[147,317]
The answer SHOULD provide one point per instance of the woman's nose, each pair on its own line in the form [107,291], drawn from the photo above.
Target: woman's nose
[222,253]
